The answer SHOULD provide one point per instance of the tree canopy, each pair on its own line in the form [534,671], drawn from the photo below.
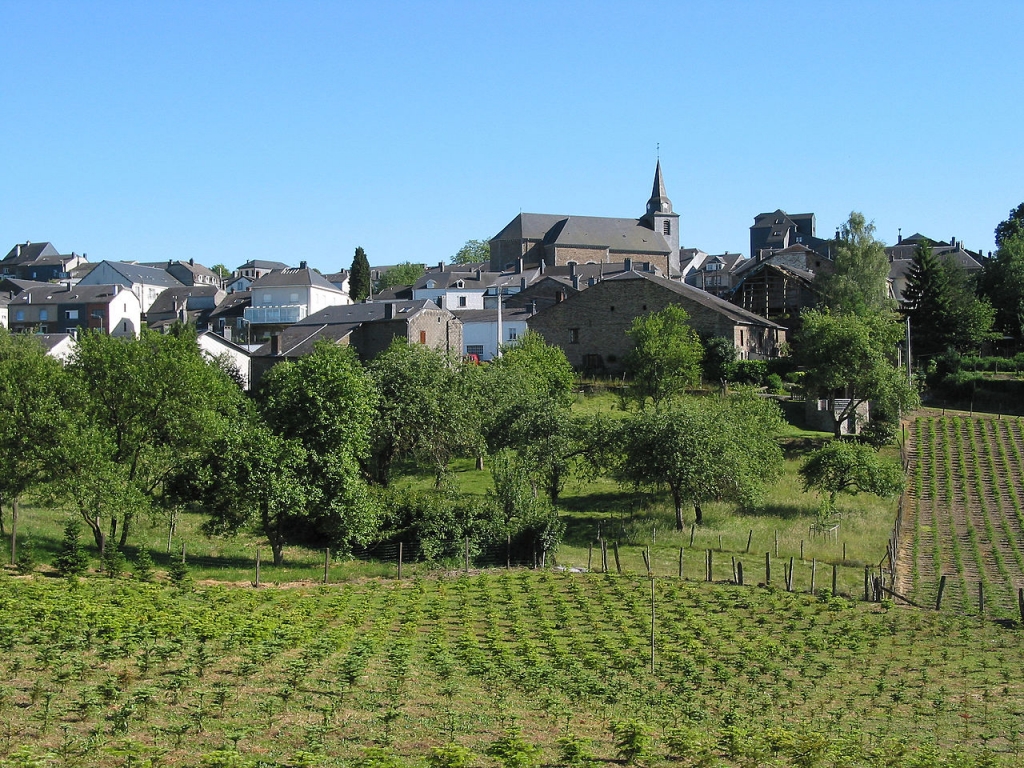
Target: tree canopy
[703,449]
[1002,282]
[850,358]
[858,284]
[405,273]
[359,282]
[150,406]
[666,356]
[845,466]
[473,252]
[1012,226]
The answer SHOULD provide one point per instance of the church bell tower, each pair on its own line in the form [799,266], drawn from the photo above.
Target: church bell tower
[662,219]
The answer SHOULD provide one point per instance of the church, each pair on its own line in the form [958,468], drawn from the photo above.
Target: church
[551,240]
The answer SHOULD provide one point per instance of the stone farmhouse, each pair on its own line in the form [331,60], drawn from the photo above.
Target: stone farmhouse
[590,326]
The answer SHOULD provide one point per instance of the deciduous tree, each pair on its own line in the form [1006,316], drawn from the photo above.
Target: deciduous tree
[703,449]
[858,284]
[405,273]
[844,466]
[666,356]
[473,252]
[1012,226]
[1002,282]
[326,403]
[849,360]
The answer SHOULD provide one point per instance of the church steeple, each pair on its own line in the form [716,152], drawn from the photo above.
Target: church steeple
[659,202]
[662,219]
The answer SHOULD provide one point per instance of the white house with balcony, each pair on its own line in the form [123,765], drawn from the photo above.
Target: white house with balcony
[481,329]
[287,296]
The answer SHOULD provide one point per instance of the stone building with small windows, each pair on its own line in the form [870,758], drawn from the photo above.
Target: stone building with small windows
[590,326]
[554,240]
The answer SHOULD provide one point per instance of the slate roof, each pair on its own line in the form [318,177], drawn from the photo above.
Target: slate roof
[586,232]
[232,305]
[508,314]
[261,264]
[137,273]
[294,276]
[335,323]
[705,299]
[166,300]
[30,252]
[57,293]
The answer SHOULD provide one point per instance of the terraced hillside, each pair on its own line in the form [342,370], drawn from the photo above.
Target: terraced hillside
[963,515]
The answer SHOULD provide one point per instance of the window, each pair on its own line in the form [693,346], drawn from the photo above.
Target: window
[462,301]
[267,298]
[71,314]
[475,349]
[19,315]
[741,338]
[513,334]
[293,298]
[423,337]
[574,335]
[44,315]
[666,228]
[97,314]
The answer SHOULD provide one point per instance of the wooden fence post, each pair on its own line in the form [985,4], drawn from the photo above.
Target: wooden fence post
[739,574]
[680,562]
[399,561]
[801,550]
[693,530]
[257,582]
[1020,603]
[767,568]
[327,564]
[865,583]
[590,556]
[183,551]
[942,588]
[814,568]
[734,579]
[776,542]
[618,564]
[835,580]
[710,570]
[750,538]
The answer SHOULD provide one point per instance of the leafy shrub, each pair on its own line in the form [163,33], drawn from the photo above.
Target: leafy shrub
[774,384]
[449,756]
[752,372]
[632,740]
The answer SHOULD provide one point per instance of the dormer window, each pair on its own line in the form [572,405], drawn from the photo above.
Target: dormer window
[430,284]
[460,284]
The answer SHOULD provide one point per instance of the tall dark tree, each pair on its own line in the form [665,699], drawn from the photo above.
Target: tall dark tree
[1014,225]
[1002,282]
[926,302]
[359,282]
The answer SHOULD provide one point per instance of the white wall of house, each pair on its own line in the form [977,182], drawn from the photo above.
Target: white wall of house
[124,314]
[214,347]
[481,338]
[303,300]
[452,299]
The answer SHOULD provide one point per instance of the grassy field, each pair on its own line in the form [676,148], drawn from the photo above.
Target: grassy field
[380,672]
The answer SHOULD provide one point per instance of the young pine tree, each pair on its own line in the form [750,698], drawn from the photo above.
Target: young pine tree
[71,559]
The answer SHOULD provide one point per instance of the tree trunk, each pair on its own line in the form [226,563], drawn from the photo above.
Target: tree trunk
[679,510]
[3,529]
[96,527]
[273,534]
[14,531]
[698,513]
[113,530]
[125,525]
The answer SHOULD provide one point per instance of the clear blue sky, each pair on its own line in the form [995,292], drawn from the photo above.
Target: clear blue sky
[292,130]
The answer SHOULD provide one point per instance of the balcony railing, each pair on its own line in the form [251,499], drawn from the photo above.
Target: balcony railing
[277,315]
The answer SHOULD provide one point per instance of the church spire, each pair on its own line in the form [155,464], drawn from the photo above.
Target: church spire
[659,202]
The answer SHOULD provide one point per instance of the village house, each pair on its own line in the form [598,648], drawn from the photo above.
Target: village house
[590,326]
[287,296]
[58,308]
[147,283]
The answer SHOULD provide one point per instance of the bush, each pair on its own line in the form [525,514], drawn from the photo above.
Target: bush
[179,574]
[752,372]
[512,751]
[26,561]
[774,384]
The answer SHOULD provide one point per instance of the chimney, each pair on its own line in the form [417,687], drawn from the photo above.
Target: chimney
[440,266]
[575,280]
[17,250]
[519,266]
[627,265]
[389,311]
[302,265]
[533,307]
[572,269]
[592,282]
[522,284]
[542,265]
[191,262]
[275,344]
